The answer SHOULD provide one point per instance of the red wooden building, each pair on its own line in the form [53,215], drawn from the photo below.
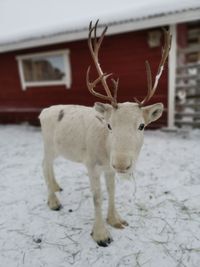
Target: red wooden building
[42,67]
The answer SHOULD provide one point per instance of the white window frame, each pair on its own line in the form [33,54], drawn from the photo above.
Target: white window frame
[67,67]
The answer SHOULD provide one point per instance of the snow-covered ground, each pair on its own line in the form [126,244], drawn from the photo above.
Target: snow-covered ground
[162,206]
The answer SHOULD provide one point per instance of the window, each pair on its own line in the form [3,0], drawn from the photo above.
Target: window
[45,69]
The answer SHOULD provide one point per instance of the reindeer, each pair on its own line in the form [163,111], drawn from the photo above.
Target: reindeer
[106,138]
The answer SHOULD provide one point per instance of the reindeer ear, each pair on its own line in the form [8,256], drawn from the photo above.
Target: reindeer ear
[152,112]
[102,108]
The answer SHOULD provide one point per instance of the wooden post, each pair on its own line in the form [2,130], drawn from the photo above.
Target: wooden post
[172,78]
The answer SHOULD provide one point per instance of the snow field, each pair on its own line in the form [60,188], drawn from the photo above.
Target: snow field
[162,206]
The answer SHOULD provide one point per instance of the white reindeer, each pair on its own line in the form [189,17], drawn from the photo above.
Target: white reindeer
[106,138]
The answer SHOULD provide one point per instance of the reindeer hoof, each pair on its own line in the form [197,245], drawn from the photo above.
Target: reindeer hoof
[54,203]
[104,243]
[56,208]
[117,223]
[125,223]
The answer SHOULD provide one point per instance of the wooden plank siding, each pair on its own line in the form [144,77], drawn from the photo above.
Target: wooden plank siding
[122,54]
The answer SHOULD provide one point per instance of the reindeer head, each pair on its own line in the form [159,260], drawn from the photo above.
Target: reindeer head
[125,122]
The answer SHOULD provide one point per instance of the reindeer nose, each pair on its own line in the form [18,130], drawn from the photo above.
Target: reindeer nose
[121,168]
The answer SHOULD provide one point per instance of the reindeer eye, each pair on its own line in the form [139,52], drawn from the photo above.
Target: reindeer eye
[141,127]
[109,127]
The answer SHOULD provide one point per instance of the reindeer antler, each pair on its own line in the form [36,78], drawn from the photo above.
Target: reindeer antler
[165,53]
[94,49]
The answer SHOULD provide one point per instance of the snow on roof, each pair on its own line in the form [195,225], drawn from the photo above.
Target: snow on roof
[36,22]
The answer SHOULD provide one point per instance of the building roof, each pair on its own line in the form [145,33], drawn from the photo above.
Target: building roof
[30,23]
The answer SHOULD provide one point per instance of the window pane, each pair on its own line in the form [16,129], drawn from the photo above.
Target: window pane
[44,68]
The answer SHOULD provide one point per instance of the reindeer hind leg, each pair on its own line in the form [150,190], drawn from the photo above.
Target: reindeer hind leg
[51,183]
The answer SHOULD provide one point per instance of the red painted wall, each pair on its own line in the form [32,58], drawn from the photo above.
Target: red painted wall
[124,55]
[182,30]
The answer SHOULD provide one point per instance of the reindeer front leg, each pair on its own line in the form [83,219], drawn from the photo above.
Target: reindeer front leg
[113,218]
[99,233]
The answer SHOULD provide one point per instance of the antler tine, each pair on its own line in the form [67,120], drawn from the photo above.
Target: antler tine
[94,49]
[149,76]
[101,37]
[94,29]
[165,53]
[166,49]
[91,85]
[116,86]
[149,85]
